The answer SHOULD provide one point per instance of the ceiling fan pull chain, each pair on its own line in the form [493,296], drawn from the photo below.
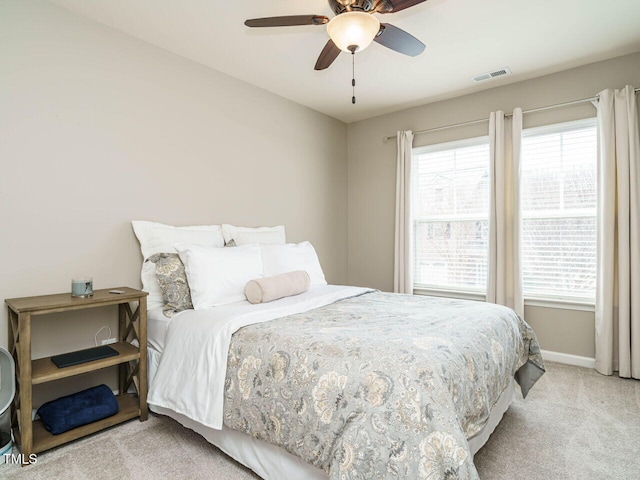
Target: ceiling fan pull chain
[353,76]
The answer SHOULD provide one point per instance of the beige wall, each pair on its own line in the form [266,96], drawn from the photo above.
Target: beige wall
[98,128]
[372,175]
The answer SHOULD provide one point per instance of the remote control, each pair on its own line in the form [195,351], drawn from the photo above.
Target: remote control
[116,291]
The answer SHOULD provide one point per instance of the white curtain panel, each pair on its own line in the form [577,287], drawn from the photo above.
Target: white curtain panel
[403,253]
[504,272]
[618,264]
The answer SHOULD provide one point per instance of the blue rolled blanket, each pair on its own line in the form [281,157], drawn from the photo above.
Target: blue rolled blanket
[66,413]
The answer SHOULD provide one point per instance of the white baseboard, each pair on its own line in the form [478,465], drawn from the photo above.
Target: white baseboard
[569,359]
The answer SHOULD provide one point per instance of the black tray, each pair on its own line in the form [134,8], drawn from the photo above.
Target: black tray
[83,356]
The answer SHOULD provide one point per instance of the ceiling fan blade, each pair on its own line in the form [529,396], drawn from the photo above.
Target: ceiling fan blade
[396,5]
[329,53]
[288,21]
[397,39]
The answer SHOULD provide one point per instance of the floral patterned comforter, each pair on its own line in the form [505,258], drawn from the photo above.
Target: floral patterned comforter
[380,385]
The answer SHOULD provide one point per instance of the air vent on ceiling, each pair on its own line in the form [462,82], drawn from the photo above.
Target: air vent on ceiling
[494,74]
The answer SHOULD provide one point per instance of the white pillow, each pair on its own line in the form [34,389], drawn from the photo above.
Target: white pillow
[249,235]
[159,238]
[277,259]
[217,276]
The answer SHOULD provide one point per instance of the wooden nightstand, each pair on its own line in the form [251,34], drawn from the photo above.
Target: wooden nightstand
[30,435]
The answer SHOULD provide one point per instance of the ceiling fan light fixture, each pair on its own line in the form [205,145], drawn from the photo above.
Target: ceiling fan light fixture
[353,29]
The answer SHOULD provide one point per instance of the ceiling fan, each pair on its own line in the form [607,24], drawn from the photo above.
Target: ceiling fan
[353,28]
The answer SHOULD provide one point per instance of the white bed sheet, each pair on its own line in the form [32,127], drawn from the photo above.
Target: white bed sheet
[157,326]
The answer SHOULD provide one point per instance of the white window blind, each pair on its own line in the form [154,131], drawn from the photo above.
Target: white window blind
[450,209]
[559,211]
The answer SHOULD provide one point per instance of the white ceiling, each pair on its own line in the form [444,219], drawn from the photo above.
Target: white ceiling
[464,38]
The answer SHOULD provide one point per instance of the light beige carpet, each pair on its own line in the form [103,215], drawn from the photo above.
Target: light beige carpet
[575,424]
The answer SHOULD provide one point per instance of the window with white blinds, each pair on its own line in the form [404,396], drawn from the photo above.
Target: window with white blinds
[450,209]
[559,211]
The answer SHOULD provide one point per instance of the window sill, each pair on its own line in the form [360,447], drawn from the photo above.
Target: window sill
[560,304]
[480,297]
[528,302]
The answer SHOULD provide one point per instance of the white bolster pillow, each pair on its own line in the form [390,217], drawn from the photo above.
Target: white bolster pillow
[272,288]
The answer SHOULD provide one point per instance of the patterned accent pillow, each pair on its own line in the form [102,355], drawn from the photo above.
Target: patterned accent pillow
[172,279]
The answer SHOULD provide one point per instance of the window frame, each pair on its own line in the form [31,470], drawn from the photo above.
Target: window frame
[560,301]
[470,294]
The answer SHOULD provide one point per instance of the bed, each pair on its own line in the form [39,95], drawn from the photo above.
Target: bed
[324,381]
[343,382]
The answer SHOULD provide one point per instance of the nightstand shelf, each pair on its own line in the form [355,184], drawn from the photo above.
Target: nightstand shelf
[30,435]
[43,440]
[44,370]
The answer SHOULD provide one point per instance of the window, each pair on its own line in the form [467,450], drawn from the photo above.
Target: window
[450,208]
[558,193]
